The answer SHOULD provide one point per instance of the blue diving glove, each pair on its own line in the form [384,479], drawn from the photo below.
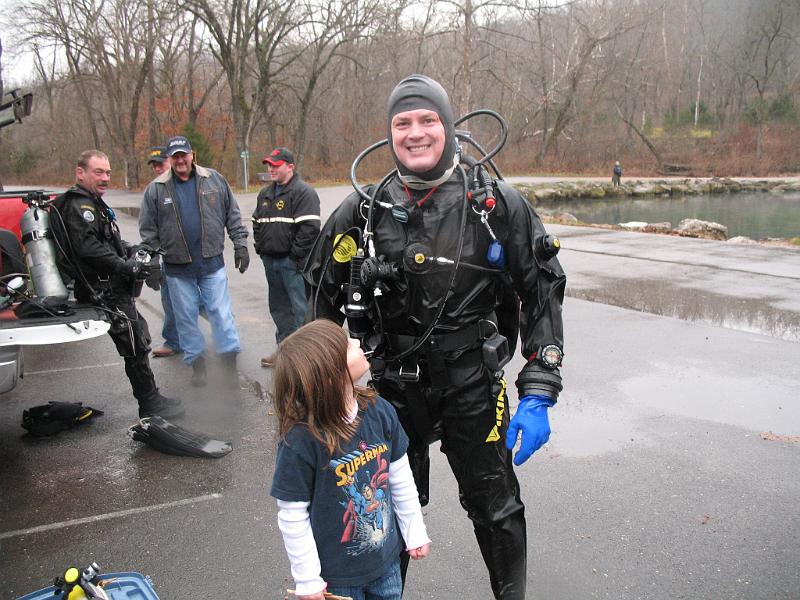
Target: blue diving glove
[532,423]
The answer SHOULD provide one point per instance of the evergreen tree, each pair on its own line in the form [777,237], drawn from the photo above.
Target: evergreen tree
[200,148]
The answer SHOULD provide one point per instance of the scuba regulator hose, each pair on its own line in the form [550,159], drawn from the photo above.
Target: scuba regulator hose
[466,137]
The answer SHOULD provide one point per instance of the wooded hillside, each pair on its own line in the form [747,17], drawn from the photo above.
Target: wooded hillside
[712,86]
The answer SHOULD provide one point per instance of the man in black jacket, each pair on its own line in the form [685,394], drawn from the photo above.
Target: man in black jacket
[285,225]
[106,272]
[429,276]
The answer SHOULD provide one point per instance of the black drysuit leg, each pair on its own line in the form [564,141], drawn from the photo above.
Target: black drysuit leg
[139,373]
[132,339]
[473,417]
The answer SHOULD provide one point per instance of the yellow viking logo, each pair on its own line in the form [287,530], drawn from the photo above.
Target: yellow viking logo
[499,409]
[279,205]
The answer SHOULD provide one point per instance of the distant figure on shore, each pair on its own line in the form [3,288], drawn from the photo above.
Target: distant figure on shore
[617,176]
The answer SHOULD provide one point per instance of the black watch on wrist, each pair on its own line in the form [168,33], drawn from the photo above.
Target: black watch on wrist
[550,356]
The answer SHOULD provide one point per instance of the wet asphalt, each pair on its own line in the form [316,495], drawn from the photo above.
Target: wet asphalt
[671,471]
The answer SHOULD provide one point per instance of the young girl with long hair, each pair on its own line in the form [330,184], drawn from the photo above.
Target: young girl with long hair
[347,503]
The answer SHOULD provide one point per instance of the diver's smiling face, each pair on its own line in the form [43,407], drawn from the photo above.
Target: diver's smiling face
[418,139]
[96,176]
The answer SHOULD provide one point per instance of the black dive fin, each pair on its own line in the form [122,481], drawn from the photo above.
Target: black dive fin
[172,439]
[136,432]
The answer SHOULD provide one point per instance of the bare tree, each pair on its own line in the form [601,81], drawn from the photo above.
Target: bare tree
[593,29]
[46,74]
[185,74]
[240,29]
[761,54]
[330,27]
[578,80]
[199,83]
[122,64]
[109,72]
[468,22]
[52,21]
[699,8]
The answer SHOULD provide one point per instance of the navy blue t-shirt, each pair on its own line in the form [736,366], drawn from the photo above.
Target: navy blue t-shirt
[191,225]
[351,504]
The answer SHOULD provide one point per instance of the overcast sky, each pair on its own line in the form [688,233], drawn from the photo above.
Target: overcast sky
[17,64]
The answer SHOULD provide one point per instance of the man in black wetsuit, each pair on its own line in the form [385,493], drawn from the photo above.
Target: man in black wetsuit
[105,271]
[439,274]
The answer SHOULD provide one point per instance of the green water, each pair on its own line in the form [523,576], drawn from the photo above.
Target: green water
[755,215]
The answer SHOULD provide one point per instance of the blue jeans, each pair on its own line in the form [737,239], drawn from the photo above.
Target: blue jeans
[169,331]
[287,294]
[210,292]
[388,586]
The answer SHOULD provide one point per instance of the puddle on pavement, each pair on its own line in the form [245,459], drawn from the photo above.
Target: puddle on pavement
[754,315]
[581,430]
[752,403]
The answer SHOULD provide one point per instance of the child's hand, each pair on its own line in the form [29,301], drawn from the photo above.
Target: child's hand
[421,552]
[318,596]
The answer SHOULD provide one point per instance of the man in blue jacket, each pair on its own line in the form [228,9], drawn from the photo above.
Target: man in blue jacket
[185,212]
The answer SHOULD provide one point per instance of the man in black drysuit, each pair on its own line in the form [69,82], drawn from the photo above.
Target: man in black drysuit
[442,284]
[105,271]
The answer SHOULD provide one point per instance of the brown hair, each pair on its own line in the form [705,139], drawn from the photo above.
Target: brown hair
[87,155]
[310,384]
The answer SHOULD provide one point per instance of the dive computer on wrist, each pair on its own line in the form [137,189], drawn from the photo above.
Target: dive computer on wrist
[550,356]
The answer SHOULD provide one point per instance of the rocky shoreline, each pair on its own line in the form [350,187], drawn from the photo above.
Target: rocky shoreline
[540,194]
[651,188]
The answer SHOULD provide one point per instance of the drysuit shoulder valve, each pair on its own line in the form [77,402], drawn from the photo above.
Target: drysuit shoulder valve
[547,246]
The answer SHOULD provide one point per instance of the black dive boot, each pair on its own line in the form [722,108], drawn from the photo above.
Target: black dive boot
[158,405]
[151,402]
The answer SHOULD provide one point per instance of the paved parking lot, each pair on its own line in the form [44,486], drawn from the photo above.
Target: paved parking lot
[670,472]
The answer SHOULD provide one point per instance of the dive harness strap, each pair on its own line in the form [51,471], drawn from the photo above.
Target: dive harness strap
[433,350]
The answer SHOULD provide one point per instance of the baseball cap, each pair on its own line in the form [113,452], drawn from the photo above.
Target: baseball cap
[279,156]
[178,144]
[158,154]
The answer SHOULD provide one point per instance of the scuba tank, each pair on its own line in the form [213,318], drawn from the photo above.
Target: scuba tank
[40,254]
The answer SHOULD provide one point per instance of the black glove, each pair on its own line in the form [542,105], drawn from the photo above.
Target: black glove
[154,280]
[241,258]
[135,269]
[156,276]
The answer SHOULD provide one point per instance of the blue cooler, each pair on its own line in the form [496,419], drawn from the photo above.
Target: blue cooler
[126,586]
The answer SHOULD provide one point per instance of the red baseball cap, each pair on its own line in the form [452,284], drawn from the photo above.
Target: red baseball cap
[279,156]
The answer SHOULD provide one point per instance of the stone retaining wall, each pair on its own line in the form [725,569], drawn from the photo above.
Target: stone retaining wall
[540,194]
[544,192]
